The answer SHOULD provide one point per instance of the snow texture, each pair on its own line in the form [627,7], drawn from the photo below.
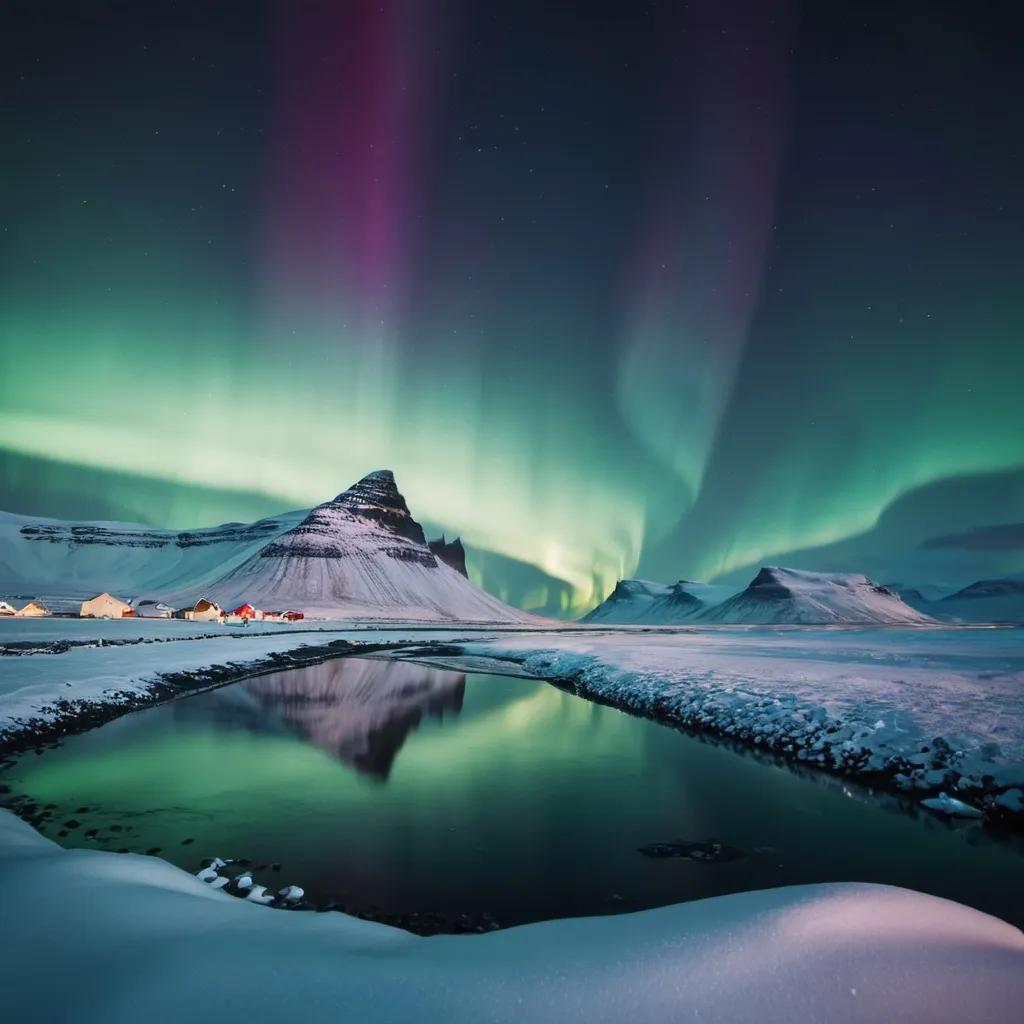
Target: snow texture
[926,708]
[129,938]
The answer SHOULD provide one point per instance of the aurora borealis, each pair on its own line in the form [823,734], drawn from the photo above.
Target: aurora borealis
[613,288]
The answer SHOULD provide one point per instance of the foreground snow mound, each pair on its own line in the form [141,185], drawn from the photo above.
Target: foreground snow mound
[360,555]
[778,596]
[640,602]
[129,938]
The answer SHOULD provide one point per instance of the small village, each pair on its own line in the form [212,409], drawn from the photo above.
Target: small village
[106,606]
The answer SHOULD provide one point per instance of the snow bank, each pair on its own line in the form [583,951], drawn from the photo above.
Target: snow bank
[131,938]
[927,709]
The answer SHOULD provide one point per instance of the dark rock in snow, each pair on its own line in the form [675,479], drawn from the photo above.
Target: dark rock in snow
[452,553]
[705,850]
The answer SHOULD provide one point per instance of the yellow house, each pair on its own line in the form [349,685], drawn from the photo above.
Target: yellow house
[104,606]
[205,611]
[33,610]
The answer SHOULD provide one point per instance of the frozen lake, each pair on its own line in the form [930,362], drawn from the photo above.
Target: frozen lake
[391,788]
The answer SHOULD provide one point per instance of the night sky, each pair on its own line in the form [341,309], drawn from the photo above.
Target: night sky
[670,290]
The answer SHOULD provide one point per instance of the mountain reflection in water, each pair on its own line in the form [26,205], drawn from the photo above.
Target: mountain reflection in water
[359,710]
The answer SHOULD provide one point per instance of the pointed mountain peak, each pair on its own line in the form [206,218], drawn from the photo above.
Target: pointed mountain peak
[375,489]
[376,504]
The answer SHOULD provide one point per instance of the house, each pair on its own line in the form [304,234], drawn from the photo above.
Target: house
[33,610]
[243,613]
[283,616]
[205,611]
[148,609]
[7,609]
[105,606]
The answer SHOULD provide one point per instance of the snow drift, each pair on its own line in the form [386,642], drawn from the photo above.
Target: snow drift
[360,555]
[778,596]
[129,938]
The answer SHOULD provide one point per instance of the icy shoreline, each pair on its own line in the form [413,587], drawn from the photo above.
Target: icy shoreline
[919,712]
[57,687]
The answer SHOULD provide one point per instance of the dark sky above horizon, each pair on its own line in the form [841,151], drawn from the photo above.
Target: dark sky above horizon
[670,290]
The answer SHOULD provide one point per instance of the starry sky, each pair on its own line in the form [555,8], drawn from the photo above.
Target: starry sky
[615,288]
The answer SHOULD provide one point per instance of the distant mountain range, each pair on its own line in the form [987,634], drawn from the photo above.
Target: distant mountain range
[775,596]
[995,600]
[641,601]
[360,555]
[780,595]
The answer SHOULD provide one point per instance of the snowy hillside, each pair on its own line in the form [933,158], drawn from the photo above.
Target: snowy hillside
[640,602]
[778,595]
[50,558]
[360,555]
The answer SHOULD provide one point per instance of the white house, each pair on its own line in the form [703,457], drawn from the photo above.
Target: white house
[7,609]
[152,610]
[105,606]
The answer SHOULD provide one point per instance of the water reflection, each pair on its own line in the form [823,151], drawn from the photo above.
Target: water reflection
[504,796]
[360,710]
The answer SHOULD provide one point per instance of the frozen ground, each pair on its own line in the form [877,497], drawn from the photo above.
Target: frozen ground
[926,709]
[105,937]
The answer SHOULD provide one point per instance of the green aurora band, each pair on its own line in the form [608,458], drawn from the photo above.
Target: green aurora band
[578,367]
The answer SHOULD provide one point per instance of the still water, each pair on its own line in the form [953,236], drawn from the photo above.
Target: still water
[403,788]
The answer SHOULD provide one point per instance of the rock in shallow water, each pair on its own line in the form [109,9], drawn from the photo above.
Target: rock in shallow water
[707,850]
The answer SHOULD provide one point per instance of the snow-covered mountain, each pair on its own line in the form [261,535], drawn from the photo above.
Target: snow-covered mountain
[360,555]
[778,595]
[641,602]
[51,558]
[998,600]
